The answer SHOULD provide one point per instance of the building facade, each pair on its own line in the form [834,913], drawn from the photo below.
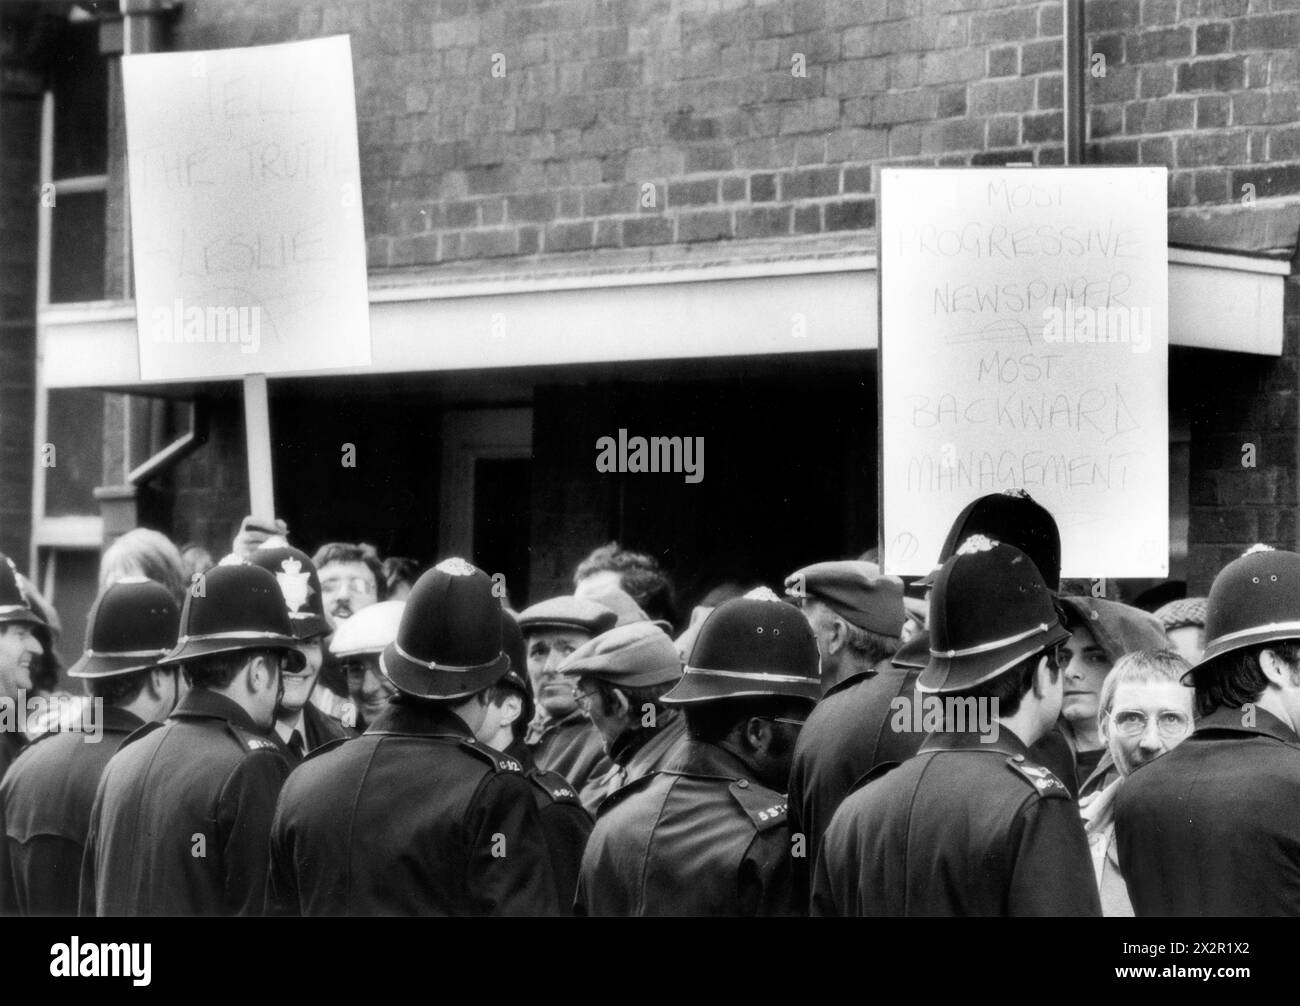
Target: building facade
[658,216]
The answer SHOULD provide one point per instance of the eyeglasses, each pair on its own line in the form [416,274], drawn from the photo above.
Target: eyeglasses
[584,698]
[354,584]
[1133,722]
[782,719]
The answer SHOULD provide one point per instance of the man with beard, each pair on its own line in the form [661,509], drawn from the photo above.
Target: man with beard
[357,646]
[46,797]
[707,834]
[351,579]
[20,646]
[562,738]
[300,724]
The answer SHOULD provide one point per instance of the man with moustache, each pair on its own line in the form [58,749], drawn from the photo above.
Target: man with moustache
[562,738]
[46,798]
[183,811]
[19,647]
[299,723]
[351,578]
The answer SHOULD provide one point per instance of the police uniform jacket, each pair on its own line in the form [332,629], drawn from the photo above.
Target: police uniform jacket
[847,735]
[572,747]
[700,837]
[181,817]
[45,803]
[318,729]
[964,828]
[414,817]
[636,753]
[11,746]
[565,822]
[1213,828]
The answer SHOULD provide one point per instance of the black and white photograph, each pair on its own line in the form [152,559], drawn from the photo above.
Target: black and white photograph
[650,458]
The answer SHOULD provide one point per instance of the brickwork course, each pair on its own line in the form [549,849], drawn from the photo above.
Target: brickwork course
[662,130]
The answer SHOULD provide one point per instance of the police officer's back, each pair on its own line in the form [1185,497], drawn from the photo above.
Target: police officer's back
[183,810]
[415,817]
[707,834]
[971,826]
[1211,828]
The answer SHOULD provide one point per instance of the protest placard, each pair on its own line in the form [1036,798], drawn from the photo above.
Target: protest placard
[1024,346]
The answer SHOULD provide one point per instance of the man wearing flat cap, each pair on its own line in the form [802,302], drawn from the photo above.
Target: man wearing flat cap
[856,613]
[415,816]
[47,795]
[619,679]
[971,825]
[1211,828]
[183,810]
[707,834]
[561,736]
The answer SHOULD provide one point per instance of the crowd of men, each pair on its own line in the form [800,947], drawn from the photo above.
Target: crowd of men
[335,735]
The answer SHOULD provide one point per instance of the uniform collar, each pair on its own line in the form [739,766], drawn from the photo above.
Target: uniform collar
[630,741]
[120,720]
[202,703]
[1007,743]
[699,758]
[428,718]
[1265,723]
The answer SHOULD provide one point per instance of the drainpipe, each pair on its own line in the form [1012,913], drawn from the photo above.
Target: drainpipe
[1075,63]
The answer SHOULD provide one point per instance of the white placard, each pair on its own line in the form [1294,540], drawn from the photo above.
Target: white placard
[247,231]
[1024,345]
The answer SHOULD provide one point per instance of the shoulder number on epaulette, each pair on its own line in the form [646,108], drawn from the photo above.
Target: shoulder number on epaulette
[250,741]
[765,808]
[555,786]
[500,762]
[1044,782]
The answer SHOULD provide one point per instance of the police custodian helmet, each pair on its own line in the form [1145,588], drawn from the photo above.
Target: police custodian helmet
[133,625]
[749,647]
[990,610]
[449,643]
[1254,599]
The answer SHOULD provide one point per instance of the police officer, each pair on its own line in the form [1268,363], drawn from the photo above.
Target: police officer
[857,615]
[566,824]
[298,722]
[46,797]
[1210,828]
[562,737]
[619,679]
[182,814]
[1014,518]
[970,826]
[415,817]
[707,834]
[20,648]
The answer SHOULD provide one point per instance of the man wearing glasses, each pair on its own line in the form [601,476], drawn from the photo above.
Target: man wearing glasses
[1145,712]
[182,817]
[1211,829]
[707,834]
[970,825]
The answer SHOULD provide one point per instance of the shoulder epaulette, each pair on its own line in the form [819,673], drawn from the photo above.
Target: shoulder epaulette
[554,786]
[765,807]
[1044,782]
[250,741]
[139,732]
[500,762]
[884,768]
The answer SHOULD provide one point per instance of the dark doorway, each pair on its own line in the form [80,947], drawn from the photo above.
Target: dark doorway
[502,520]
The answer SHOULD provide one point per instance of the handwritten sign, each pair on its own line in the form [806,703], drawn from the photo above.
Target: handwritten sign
[1024,346]
[246,219]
